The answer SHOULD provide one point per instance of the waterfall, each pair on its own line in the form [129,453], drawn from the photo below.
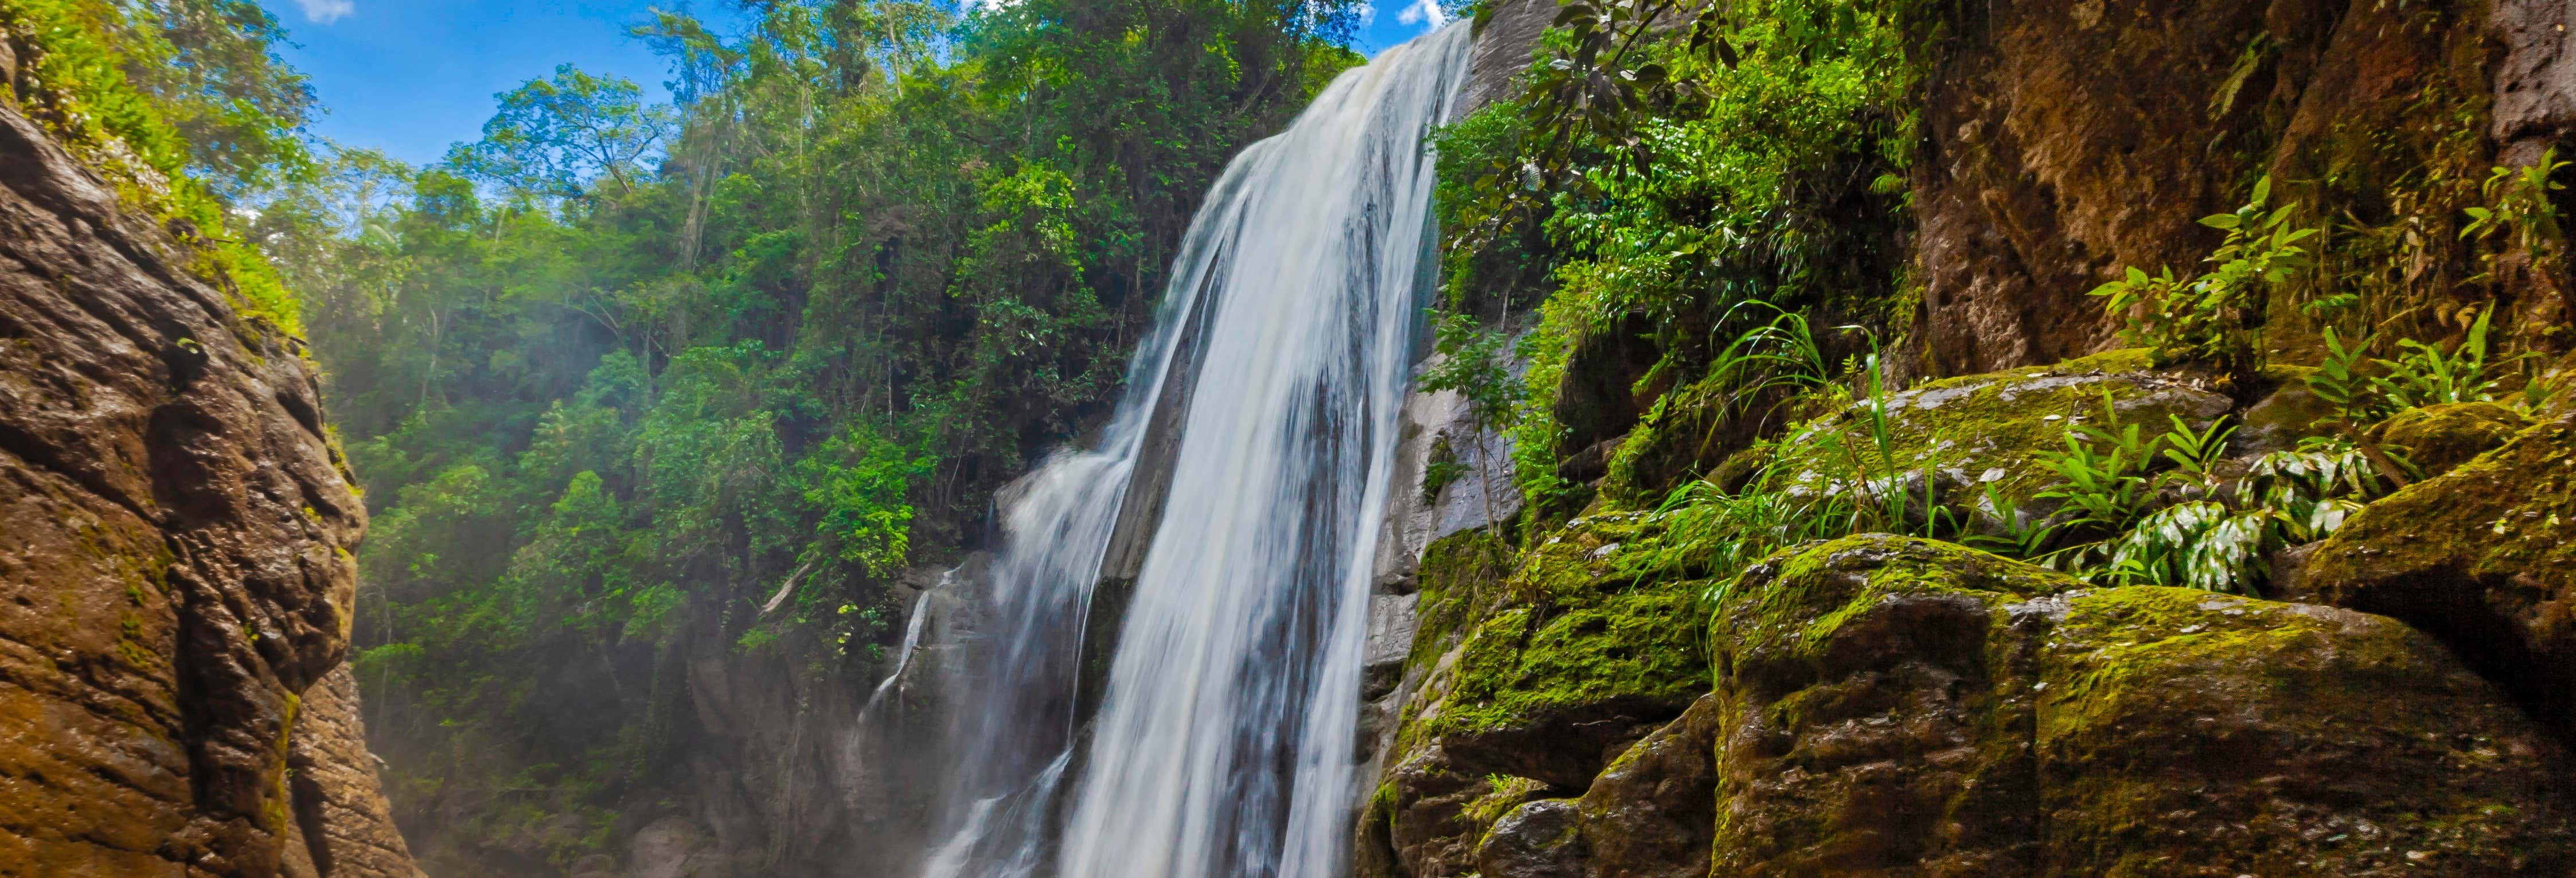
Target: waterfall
[1218,739]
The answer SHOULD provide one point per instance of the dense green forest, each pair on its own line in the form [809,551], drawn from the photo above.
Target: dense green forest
[620,369]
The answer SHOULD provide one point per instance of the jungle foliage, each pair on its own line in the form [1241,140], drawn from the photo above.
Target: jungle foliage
[627,380]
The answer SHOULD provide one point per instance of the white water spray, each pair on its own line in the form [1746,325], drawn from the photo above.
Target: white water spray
[1221,745]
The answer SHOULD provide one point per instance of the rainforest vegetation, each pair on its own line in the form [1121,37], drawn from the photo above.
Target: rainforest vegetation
[619,367]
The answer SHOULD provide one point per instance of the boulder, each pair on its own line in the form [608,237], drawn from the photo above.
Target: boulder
[1539,839]
[1901,706]
[2481,557]
[1653,812]
[1990,431]
[1429,819]
[2439,438]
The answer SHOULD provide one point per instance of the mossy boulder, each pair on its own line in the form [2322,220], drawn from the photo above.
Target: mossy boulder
[2484,558]
[1909,707]
[1429,819]
[1539,839]
[1691,433]
[1992,430]
[2439,438]
[1572,658]
[1652,812]
[1539,667]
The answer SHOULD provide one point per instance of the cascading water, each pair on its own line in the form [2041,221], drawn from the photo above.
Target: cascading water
[1221,744]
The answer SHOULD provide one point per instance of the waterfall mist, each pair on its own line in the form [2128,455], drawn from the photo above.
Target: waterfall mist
[1216,738]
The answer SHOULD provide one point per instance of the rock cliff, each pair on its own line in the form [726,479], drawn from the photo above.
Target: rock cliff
[176,584]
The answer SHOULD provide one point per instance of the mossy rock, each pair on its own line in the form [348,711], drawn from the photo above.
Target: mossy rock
[1903,706]
[2484,558]
[1573,657]
[2439,438]
[1990,430]
[1692,433]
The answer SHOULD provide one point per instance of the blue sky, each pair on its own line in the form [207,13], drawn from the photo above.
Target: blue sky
[411,76]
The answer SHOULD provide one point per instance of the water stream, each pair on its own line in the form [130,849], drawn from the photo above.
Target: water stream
[1217,740]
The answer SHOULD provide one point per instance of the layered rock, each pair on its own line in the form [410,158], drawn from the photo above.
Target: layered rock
[177,574]
[343,827]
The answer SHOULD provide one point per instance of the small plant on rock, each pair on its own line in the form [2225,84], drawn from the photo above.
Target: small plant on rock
[2214,319]
[2192,524]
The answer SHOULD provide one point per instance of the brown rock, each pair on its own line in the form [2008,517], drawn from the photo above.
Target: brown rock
[2066,141]
[176,566]
[1901,707]
[1540,839]
[1420,824]
[1652,813]
[345,822]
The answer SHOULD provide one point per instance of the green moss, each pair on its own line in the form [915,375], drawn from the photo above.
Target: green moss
[1459,576]
[1572,624]
[2511,512]
[1803,596]
[1693,432]
[2140,726]
[1640,643]
[2439,438]
[1502,794]
[1990,428]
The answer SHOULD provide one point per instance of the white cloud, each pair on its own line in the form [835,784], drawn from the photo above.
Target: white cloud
[1368,14]
[327,11]
[1423,12]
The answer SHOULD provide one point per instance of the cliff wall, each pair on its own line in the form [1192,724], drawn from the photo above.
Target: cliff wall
[176,584]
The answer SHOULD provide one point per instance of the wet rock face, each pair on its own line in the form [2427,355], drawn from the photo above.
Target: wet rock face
[1900,705]
[2481,558]
[175,571]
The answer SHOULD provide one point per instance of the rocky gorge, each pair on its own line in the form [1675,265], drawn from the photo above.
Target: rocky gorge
[1997,581]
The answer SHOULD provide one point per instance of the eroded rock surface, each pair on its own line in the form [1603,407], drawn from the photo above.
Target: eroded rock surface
[175,574]
[346,826]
